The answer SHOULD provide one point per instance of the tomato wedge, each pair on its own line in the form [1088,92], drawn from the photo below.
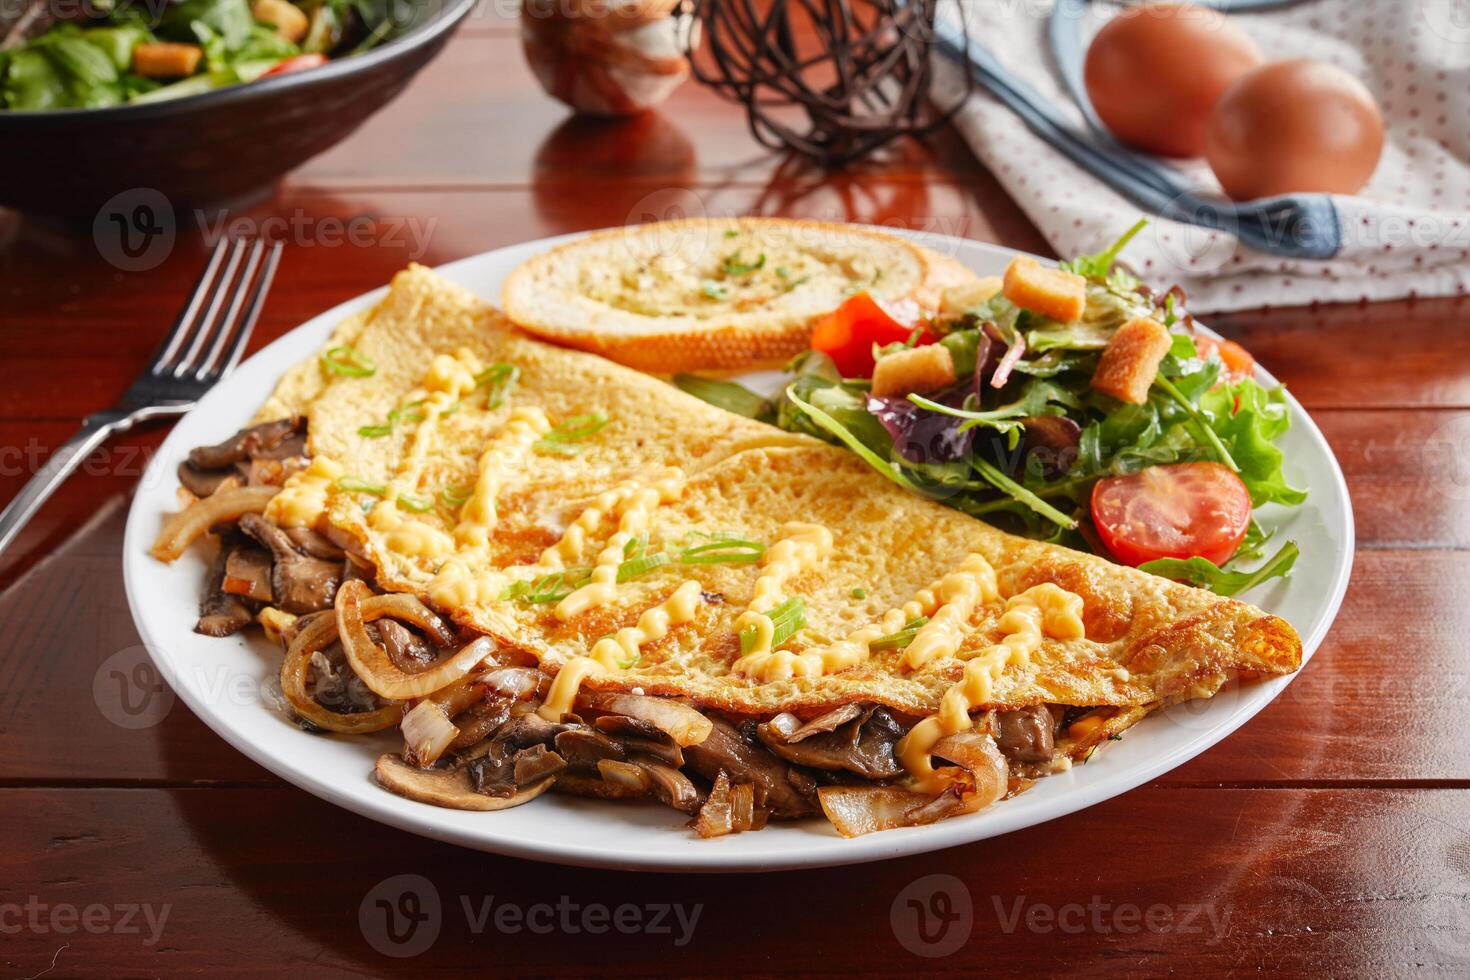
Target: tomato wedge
[299,62]
[1176,511]
[1239,364]
[848,333]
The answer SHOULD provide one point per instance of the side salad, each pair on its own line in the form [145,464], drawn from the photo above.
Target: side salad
[127,51]
[1072,404]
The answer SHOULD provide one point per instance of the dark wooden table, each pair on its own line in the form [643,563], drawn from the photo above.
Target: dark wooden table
[1329,835]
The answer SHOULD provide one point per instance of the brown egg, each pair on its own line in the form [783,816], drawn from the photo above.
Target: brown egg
[1154,72]
[1292,127]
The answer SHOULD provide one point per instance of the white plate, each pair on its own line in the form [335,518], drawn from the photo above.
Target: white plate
[227,681]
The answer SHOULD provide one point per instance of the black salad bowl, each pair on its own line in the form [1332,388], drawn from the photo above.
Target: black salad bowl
[214,149]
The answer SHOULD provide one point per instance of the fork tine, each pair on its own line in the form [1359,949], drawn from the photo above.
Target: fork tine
[237,293]
[252,311]
[169,346]
[205,325]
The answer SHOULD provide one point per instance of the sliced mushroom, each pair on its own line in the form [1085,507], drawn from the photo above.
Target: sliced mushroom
[537,763]
[299,582]
[248,573]
[203,483]
[448,787]
[643,738]
[862,744]
[220,613]
[576,784]
[728,750]
[315,544]
[265,440]
[584,748]
[1026,734]
[408,651]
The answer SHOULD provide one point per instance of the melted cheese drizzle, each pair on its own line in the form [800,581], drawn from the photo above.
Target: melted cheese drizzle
[1040,609]
[958,594]
[449,378]
[853,649]
[304,497]
[635,512]
[801,546]
[477,518]
[622,649]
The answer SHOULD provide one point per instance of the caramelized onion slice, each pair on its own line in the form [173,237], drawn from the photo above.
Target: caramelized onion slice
[223,507]
[427,732]
[980,781]
[682,723]
[447,787]
[371,662]
[320,633]
[857,810]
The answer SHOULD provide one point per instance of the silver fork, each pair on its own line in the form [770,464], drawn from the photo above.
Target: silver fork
[204,345]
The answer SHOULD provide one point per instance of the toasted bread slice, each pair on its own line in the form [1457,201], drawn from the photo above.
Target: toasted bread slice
[714,294]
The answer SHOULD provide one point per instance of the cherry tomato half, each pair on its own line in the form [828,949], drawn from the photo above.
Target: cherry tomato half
[299,62]
[1239,364]
[848,333]
[1175,511]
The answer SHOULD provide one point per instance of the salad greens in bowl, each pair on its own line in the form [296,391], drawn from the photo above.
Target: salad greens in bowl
[143,51]
[1076,405]
[207,102]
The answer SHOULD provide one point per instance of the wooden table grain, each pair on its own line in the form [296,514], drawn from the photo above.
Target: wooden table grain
[1330,835]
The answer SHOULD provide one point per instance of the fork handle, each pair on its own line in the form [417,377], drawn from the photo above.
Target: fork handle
[95,429]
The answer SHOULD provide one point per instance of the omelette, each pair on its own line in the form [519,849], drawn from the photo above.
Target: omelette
[611,587]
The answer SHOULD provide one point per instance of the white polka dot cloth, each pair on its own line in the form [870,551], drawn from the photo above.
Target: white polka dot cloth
[1406,234]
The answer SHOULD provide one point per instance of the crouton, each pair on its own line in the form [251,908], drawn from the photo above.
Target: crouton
[163,59]
[913,371]
[957,300]
[289,20]
[1051,292]
[1130,363]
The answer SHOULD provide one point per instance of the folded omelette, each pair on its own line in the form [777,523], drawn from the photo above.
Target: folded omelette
[634,538]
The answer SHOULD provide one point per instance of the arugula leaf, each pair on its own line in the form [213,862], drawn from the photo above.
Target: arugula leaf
[729,395]
[1098,266]
[1203,573]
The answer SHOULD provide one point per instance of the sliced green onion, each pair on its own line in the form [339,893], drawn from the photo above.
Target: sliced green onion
[636,546]
[573,430]
[635,567]
[375,431]
[787,618]
[859,592]
[418,505]
[734,267]
[1006,485]
[351,484]
[453,497]
[348,361]
[712,289]
[498,379]
[723,551]
[901,639]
